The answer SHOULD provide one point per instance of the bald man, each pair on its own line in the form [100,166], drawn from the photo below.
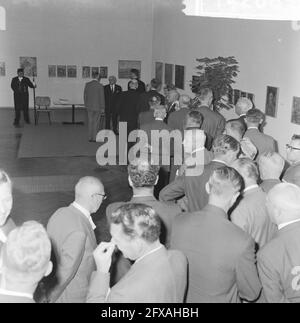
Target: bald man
[242,106]
[71,231]
[279,260]
[177,118]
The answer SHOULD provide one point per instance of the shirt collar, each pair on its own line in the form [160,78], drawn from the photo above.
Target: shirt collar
[149,253]
[243,115]
[85,212]
[252,128]
[251,187]
[199,149]
[159,119]
[219,161]
[17,294]
[3,237]
[282,225]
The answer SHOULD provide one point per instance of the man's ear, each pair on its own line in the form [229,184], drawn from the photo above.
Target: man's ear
[49,269]
[207,188]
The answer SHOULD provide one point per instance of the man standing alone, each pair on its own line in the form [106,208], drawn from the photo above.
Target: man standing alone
[95,104]
[19,85]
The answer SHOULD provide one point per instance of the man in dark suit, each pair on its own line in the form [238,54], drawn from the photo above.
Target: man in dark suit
[25,261]
[6,202]
[148,116]
[221,256]
[94,102]
[135,75]
[292,174]
[71,230]
[19,85]
[262,142]
[225,149]
[270,169]
[278,261]
[242,106]
[143,104]
[214,122]
[158,275]
[112,92]
[177,118]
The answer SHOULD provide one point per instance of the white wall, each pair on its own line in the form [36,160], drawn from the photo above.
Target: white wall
[268,53]
[74,32]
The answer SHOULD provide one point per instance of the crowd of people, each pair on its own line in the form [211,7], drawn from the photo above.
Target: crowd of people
[225,228]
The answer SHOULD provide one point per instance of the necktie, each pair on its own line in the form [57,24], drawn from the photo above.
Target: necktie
[112,88]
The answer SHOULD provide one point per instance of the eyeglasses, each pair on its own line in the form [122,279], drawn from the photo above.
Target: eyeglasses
[291,147]
[103,195]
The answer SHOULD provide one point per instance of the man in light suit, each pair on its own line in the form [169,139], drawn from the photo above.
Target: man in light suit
[292,174]
[71,230]
[242,106]
[270,168]
[251,213]
[225,149]
[6,202]
[25,261]
[263,142]
[158,275]
[221,256]
[177,118]
[112,92]
[94,102]
[214,122]
[278,261]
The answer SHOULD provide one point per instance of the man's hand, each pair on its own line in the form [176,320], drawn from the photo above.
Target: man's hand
[102,255]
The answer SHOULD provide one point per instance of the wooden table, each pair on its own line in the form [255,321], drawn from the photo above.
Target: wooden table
[73,105]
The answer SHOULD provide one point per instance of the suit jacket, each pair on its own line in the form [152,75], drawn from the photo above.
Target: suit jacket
[159,277]
[73,241]
[21,95]
[176,119]
[221,257]
[278,265]
[262,142]
[141,86]
[145,97]
[213,123]
[292,174]
[146,117]
[166,212]
[15,299]
[251,215]
[193,187]
[94,96]
[268,184]
[111,98]
[127,106]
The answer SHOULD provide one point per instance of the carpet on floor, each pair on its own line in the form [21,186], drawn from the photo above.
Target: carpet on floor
[56,140]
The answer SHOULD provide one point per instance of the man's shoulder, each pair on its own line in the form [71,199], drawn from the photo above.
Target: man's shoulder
[63,214]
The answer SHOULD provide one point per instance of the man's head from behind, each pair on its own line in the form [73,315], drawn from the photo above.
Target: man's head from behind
[184,101]
[235,129]
[293,150]
[142,174]
[206,97]
[160,112]
[134,74]
[226,148]
[89,193]
[112,80]
[254,118]
[194,119]
[224,187]
[242,106]
[270,165]
[135,228]
[26,256]
[6,199]
[283,203]
[247,169]
[96,76]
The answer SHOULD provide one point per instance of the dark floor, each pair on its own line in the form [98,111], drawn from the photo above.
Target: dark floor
[41,205]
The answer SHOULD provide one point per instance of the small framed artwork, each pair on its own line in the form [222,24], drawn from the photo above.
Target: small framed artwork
[195,82]
[179,76]
[61,70]
[159,67]
[125,66]
[236,96]
[169,73]
[95,70]
[230,96]
[72,71]
[243,94]
[29,64]
[296,110]
[272,101]
[51,70]
[2,69]
[86,72]
[103,72]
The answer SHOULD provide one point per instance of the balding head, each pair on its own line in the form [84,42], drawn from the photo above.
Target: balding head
[89,193]
[270,165]
[112,80]
[206,97]
[248,170]
[242,106]
[184,101]
[160,112]
[283,203]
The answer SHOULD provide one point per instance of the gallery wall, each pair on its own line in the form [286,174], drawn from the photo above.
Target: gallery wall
[74,32]
[268,53]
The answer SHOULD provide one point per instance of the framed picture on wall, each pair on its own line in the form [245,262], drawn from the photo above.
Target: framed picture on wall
[179,76]
[125,66]
[159,69]
[2,69]
[51,70]
[61,70]
[169,73]
[29,64]
[296,110]
[86,72]
[243,94]
[195,80]
[95,70]
[72,71]
[272,101]
[104,72]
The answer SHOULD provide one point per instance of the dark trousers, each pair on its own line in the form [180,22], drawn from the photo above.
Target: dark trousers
[18,115]
[111,117]
[163,180]
[21,104]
